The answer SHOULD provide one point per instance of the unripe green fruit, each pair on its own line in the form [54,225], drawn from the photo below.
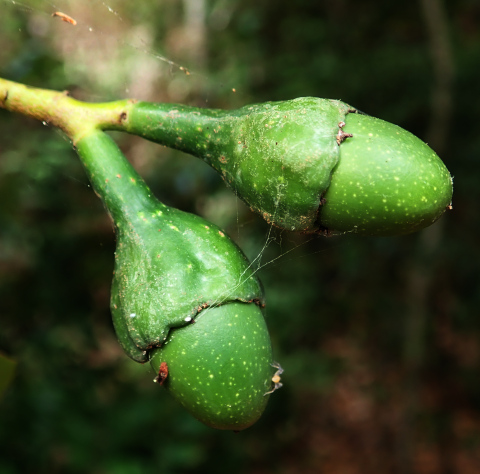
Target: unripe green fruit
[169,266]
[219,368]
[387,182]
[280,158]
[183,292]
[277,156]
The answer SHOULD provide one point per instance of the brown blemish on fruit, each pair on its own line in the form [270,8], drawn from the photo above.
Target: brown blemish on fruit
[258,302]
[162,374]
[341,135]
[202,307]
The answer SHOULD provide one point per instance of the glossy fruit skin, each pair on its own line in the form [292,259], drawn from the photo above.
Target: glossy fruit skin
[281,157]
[387,182]
[172,267]
[169,266]
[277,156]
[219,367]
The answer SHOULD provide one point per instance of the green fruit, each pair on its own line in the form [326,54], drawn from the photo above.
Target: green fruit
[219,368]
[281,157]
[172,269]
[277,156]
[388,182]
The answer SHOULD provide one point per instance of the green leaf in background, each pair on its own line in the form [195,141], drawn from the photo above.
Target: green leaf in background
[7,371]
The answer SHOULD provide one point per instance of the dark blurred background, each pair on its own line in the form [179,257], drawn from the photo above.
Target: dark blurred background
[379,337]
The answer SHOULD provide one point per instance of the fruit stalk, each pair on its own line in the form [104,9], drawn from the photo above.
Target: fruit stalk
[124,193]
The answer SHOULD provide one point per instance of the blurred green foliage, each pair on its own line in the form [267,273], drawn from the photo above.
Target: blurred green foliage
[7,371]
[379,338]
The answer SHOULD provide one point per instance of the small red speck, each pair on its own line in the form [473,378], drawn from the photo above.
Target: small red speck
[119,175]
[162,373]
[159,230]
[234,90]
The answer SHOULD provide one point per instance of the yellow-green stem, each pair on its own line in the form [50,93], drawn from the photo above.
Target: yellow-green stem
[74,117]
